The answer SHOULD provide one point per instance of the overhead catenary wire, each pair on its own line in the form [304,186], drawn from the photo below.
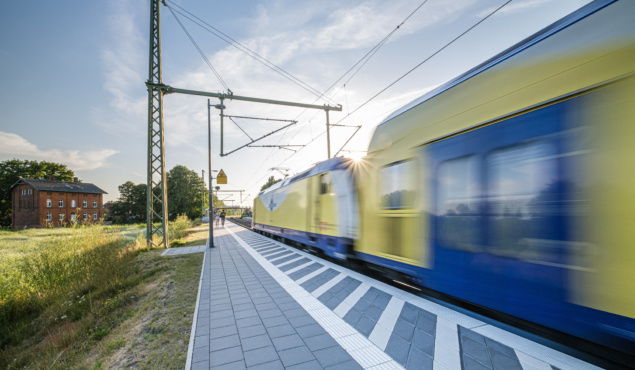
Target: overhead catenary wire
[216,32]
[404,75]
[199,50]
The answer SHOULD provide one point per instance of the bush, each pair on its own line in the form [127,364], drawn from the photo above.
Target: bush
[179,228]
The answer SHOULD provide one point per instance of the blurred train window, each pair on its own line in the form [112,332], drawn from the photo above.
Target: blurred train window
[396,185]
[325,183]
[522,197]
[458,203]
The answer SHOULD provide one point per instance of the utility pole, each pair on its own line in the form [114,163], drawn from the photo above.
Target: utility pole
[157,200]
[328,135]
[211,194]
[203,190]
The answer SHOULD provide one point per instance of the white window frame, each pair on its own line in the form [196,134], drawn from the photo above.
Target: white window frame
[95,216]
[94,204]
[85,204]
[62,215]
[73,217]
[61,203]
[73,203]
[49,217]
[85,216]
[49,203]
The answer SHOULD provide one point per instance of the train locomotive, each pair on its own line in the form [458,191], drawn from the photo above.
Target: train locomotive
[509,187]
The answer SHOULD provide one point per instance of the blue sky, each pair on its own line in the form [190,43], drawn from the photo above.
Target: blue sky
[72,76]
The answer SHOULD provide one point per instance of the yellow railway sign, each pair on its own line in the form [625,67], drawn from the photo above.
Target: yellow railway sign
[221,178]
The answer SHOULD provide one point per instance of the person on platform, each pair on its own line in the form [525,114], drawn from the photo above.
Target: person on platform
[222,217]
[217,216]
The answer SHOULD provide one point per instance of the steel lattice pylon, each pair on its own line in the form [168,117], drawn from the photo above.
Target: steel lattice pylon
[157,201]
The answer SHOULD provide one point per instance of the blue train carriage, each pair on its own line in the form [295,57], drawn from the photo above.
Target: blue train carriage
[511,186]
[317,208]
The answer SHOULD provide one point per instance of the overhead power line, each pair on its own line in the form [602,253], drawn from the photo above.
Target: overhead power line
[200,51]
[216,32]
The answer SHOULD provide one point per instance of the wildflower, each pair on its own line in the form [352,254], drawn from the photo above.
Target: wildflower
[63,317]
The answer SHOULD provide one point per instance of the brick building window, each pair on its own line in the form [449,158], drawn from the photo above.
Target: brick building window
[49,203]
[85,216]
[94,204]
[73,204]
[95,216]
[61,203]
[30,191]
[72,217]
[85,204]
[49,217]
[61,217]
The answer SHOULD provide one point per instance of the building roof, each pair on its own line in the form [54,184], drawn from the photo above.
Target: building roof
[61,186]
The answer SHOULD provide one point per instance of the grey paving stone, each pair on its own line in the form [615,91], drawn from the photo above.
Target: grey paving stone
[266,306]
[274,365]
[409,313]
[285,259]
[311,365]
[251,331]
[277,255]
[201,341]
[223,332]
[279,331]
[424,342]
[362,305]
[492,344]
[476,350]
[200,354]
[221,314]
[418,360]
[260,356]
[286,306]
[353,316]
[238,365]
[297,312]
[321,341]
[365,325]
[471,364]
[224,342]
[504,362]
[254,342]
[262,300]
[201,365]
[248,321]
[427,324]
[332,356]
[374,313]
[225,356]
[240,301]
[286,342]
[245,314]
[404,330]
[348,365]
[398,349]
[275,321]
[270,313]
[464,332]
[294,356]
[244,306]
[310,331]
[382,300]
[300,321]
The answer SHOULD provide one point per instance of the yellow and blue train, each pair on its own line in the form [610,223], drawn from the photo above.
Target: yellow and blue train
[510,187]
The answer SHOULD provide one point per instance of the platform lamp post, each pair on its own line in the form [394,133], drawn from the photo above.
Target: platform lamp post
[211,192]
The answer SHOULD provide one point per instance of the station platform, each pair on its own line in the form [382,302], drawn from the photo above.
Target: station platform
[265,305]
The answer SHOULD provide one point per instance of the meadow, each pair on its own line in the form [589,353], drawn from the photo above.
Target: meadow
[63,289]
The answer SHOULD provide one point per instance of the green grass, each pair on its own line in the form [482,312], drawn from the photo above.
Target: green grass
[65,293]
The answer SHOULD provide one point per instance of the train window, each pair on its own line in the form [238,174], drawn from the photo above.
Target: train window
[522,197]
[397,185]
[458,203]
[325,183]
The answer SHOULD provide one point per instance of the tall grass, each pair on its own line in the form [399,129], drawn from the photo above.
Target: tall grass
[47,268]
[179,228]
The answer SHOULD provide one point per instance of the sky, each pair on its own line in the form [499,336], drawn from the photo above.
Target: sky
[73,72]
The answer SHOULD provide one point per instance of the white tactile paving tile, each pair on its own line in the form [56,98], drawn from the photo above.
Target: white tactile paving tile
[447,349]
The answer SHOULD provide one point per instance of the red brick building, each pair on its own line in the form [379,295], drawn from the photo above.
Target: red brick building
[36,203]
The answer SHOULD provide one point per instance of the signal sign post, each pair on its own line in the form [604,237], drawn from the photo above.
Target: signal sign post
[221,178]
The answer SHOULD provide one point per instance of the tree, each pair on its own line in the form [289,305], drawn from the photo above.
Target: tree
[12,170]
[184,192]
[131,205]
[269,183]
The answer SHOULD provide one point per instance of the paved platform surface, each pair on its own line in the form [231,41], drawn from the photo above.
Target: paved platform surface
[265,305]
[184,250]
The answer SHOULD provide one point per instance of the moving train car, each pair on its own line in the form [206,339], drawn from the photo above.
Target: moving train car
[510,186]
[316,208]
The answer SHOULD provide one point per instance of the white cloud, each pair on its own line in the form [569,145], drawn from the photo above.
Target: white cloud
[13,146]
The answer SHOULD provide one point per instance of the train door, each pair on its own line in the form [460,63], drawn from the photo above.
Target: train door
[498,220]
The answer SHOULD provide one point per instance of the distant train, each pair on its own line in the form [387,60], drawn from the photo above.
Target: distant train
[511,186]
